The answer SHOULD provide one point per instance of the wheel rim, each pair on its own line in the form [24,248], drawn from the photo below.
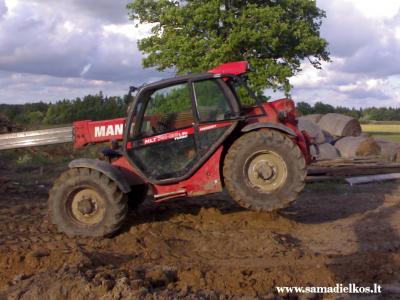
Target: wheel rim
[86,207]
[266,171]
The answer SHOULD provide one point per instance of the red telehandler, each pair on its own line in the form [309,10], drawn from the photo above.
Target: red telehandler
[185,136]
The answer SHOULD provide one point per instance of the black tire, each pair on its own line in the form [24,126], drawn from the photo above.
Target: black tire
[268,196]
[106,211]
[137,196]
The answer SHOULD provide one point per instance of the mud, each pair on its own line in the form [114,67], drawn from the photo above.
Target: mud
[203,248]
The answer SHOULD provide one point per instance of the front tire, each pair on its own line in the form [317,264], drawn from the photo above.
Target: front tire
[264,170]
[85,202]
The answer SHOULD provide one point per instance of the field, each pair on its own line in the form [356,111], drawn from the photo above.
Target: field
[385,130]
[200,248]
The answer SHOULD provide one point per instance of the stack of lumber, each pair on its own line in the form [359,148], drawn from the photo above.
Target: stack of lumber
[338,136]
[342,168]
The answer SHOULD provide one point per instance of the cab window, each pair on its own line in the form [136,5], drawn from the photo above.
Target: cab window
[243,94]
[212,104]
[167,109]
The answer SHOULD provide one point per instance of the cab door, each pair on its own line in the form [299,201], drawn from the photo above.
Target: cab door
[163,145]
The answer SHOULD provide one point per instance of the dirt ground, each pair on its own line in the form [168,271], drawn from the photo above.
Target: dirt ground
[202,248]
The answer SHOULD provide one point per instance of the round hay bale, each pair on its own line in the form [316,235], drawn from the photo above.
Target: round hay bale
[312,130]
[390,151]
[340,125]
[313,117]
[324,152]
[351,146]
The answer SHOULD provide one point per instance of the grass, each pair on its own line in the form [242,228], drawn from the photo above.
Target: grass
[40,165]
[390,132]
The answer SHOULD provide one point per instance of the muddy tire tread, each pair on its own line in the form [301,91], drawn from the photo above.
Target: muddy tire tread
[251,139]
[116,203]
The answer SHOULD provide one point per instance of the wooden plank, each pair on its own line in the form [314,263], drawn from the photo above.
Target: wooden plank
[312,179]
[372,178]
[346,161]
[375,168]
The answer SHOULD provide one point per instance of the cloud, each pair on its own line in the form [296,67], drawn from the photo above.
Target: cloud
[43,46]
[3,9]
[365,51]
[116,58]
[104,11]
[377,61]
[22,88]
[40,43]
[375,9]
[369,46]
[365,89]
[68,48]
[346,29]
[63,49]
[111,11]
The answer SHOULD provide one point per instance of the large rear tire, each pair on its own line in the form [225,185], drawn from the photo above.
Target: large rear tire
[85,202]
[264,170]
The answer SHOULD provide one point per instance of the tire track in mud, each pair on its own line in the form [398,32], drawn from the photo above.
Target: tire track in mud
[204,247]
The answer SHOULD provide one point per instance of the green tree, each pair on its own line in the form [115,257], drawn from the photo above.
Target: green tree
[304,108]
[275,36]
[35,117]
[322,108]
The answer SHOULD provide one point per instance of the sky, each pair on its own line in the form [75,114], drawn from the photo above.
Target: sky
[51,50]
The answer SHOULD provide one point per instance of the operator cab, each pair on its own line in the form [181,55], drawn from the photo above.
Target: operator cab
[176,125]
